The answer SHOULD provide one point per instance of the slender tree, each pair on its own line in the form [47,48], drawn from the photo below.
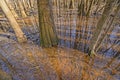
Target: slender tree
[11,8]
[19,34]
[109,26]
[22,9]
[100,24]
[48,35]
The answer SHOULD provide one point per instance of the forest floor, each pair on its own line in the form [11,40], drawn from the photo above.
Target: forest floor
[28,61]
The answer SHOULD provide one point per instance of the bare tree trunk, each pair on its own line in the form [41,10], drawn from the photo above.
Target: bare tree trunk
[22,9]
[19,34]
[48,36]
[100,24]
[109,26]
[11,8]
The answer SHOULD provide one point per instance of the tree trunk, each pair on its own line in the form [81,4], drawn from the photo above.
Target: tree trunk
[100,24]
[19,34]
[11,8]
[109,26]
[48,36]
[22,9]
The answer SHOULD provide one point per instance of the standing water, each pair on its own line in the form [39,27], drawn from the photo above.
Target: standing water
[67,61]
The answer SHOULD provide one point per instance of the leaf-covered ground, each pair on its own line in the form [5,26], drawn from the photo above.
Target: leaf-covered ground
[28,61]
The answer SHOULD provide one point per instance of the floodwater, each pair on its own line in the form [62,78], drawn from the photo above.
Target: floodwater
[28,61]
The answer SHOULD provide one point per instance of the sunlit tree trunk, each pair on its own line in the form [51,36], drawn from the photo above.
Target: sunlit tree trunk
[22,9]
[19,34]
[11,8]
[24,3]
[100,24]
[48,36]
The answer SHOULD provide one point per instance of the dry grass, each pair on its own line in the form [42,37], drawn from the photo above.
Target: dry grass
[34,63]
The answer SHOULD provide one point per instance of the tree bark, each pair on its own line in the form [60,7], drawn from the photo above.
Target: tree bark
[100,24]
[48,35]
[11,8]
[109,26]
[19,34]
[22,9]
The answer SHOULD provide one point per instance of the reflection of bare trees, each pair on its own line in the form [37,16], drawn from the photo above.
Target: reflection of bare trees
[87,15]
[75,20]
[80,24]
